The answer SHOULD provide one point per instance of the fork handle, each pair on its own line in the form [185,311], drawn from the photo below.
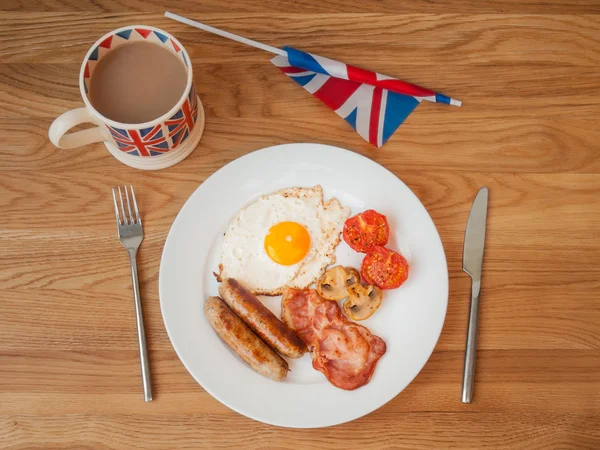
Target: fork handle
[139,319]
[471,347]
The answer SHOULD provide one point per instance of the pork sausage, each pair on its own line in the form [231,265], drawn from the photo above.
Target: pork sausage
[248,346]
[260,319]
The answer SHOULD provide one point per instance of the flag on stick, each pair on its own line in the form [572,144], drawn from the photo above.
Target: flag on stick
[375,105]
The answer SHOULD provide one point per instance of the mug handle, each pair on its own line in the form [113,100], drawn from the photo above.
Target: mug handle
[68,120]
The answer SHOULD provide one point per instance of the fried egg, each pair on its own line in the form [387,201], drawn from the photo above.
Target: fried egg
[286,238]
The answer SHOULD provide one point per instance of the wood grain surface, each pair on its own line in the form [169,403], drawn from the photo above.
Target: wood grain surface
[528,74]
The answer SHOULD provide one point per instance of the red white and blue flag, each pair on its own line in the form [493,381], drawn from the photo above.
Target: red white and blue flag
[147,142]
[375,105]
[182,123]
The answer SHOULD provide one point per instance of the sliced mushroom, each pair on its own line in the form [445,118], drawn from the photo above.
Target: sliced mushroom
[334,284]
[362,302]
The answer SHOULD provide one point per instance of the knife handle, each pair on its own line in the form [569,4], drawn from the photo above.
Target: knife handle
[469,369]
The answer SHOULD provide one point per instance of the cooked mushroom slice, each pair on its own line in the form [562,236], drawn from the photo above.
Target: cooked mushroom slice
[352,276]
[362,302]
[334,284]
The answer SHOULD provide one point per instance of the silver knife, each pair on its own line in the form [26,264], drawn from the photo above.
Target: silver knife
[472,262]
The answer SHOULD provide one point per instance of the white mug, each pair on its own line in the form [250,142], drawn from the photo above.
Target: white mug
[156,144]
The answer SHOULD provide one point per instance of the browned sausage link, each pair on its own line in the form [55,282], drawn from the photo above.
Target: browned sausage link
[260,319]
[258,355]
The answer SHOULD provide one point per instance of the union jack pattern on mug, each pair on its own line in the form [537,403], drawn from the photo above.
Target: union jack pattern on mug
[143,140]
[149,141]
[180,125]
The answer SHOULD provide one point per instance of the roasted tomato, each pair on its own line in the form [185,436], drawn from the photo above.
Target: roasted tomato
[384,268]
[366,230]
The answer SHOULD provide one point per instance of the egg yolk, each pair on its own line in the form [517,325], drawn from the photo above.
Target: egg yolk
[287,243]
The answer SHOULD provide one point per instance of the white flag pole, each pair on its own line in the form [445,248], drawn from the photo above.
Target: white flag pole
[226,34]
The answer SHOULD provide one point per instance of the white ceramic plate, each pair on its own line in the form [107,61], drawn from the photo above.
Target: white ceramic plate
[410,318]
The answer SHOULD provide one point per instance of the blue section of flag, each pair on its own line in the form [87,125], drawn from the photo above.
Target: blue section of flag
[177,115]
[351,118]
[161,36]
[440,98]
[185,136]
[124,34]
[304,60]
[145,131]
[302,81]
[120,131]
[163,144]
[398,107]
[94,55]
[176,135]
[184,59]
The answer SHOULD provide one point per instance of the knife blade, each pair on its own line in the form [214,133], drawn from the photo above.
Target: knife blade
[472,264]
[475,235]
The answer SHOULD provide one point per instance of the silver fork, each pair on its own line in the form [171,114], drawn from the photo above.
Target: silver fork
[131,234]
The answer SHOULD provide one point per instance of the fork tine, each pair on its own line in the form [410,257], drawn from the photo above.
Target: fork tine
[122,206]
[131,218]
[116,207]
[135,206]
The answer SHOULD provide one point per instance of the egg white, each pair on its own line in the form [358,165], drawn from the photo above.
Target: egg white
[243,256]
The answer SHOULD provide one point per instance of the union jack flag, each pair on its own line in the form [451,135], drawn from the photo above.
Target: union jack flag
[147,142]
[375,105]
[181,124]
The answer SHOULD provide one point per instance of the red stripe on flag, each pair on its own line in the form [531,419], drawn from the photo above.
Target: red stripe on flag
[187,114]
[152,133]
[374,122]
[361,75]
[336,91]
[401,87]
[137,141]
[292,69]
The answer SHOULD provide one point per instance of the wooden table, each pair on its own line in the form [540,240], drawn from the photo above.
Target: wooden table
[528,74]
